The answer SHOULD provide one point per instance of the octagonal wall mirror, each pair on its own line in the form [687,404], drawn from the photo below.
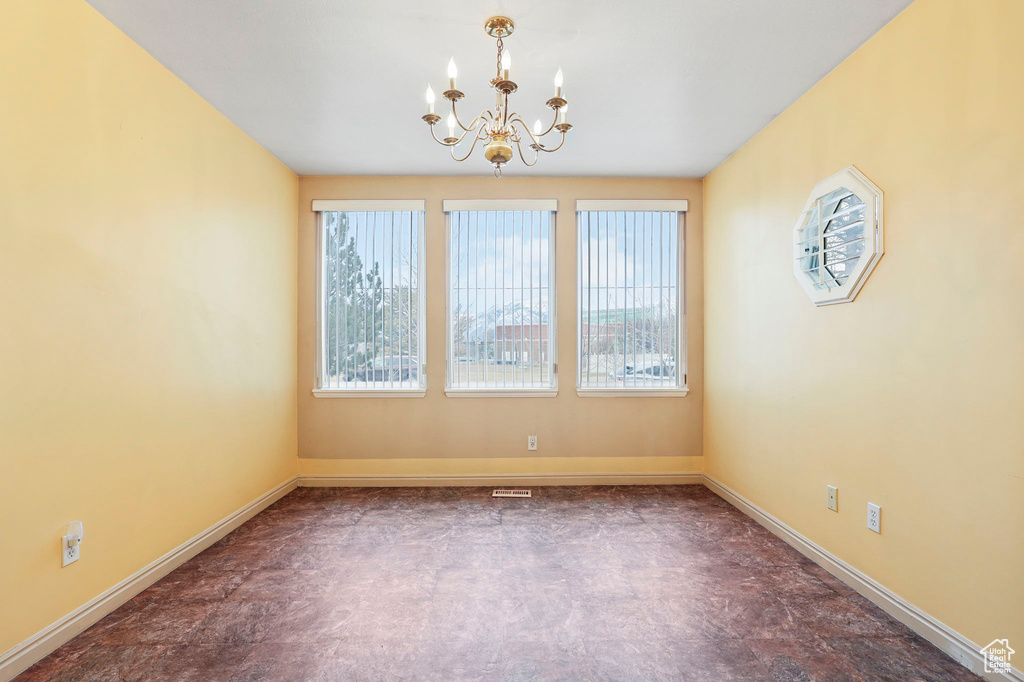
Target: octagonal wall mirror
[838,238]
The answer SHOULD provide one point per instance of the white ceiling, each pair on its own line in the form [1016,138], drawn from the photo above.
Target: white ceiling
[658,88]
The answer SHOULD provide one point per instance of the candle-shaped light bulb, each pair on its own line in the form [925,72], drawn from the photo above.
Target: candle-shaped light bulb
[506,64]
[562,112]
[536,127]
[452,73]
[558,82]
[451,125]
[430,100]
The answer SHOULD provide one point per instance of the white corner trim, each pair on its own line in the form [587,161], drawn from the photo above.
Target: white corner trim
[958,647]
[679,205]
[501,392]
[632,392]
[451,205]
[369,393]
[417,480]
[41,644]
[369,205]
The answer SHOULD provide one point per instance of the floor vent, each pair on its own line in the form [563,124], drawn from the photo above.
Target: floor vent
[506,492]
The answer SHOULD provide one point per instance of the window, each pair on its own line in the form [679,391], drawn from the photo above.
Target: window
[631,327]
[838,238]
[501,298]
[370,304]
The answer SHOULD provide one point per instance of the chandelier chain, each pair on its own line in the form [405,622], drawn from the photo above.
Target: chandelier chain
[497,66]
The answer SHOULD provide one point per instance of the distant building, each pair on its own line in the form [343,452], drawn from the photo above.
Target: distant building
[520,343]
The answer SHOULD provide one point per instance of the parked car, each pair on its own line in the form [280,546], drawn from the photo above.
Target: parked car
[641,373]
[389,368]
[623,373]
[659,372]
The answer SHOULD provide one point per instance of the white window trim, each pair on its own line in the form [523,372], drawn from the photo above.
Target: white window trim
[858,183]
[612,205]
[370,393]
[414,205]
[616,205]
[501,392]
[632,392]
[455,205]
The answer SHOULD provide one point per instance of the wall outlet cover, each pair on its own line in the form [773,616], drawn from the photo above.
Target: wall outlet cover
[874,517]
[531,442]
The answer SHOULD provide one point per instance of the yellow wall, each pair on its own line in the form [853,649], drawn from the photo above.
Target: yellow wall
[440,435]
[912,396]
[147,315]
[151,276]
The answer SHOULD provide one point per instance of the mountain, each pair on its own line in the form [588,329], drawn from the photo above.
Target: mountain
[513,313]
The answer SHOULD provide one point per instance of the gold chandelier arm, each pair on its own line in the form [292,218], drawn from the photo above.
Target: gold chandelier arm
[519,119]
[554,122]
[536,154]
[513,132]
[560,143]
[440,142]
[516,118]
[452,144]
[476,138]
[484,115]
[478,121]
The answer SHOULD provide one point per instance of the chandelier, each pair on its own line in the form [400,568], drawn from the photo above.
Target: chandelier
[499,128]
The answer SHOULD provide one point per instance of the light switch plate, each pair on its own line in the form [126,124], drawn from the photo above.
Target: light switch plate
[832,500]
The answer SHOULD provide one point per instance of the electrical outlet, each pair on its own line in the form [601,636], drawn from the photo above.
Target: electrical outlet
[70,550]
[833,498]
[531,442]
[874,517]
[71,543]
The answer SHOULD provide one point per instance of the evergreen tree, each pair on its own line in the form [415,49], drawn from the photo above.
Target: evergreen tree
[352,300]
[401,316]
[371,302]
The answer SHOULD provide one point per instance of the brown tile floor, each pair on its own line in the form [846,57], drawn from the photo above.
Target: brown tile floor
[584,583]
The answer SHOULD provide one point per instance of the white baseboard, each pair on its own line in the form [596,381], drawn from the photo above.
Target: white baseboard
[414,480]
[961,649]
[37,647]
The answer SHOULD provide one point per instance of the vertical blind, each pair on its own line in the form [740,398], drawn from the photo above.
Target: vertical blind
[630,285]
[371,317]
[500,299]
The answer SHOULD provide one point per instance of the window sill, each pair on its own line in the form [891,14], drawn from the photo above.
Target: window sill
[501,392]
[632,392]
[369,393]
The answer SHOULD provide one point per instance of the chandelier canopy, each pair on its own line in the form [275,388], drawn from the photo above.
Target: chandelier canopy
[499,128]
